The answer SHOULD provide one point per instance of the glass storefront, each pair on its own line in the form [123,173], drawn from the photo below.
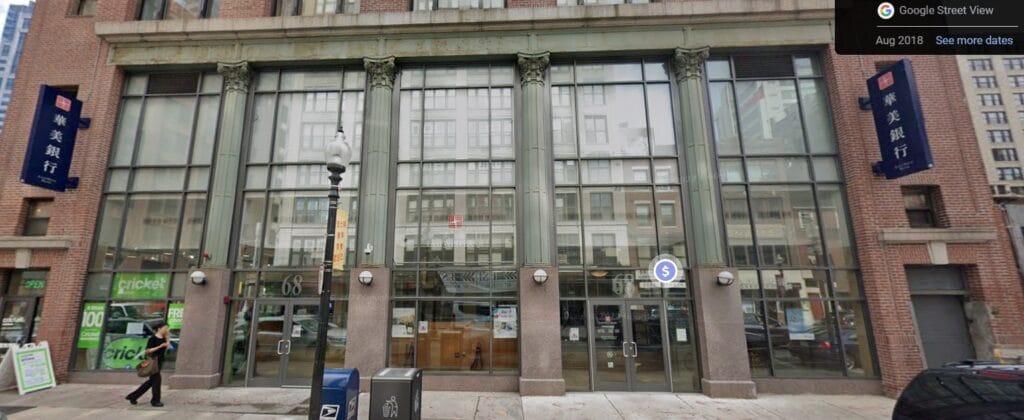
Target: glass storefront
[455,286]
[282,225]
[618,204]
[786,218]
[152,216]
[455,305]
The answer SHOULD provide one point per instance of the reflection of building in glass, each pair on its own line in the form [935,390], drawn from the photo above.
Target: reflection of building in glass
[11,43]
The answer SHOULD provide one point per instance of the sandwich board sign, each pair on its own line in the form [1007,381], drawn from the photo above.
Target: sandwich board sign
[33,367]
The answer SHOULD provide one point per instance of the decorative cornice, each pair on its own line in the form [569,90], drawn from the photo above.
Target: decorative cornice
[689,62]
[381,72]
[237,76]
[532,67]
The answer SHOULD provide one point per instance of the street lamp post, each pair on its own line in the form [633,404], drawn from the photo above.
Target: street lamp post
[338,154]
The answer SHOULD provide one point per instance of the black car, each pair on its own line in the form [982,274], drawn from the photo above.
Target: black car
[825,347]
[757,340]
[969,390]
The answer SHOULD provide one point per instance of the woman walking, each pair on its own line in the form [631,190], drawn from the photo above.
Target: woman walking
[157,345]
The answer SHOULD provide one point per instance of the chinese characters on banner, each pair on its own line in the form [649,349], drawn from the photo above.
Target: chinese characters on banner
[899,123]
[340,240]
[52,140]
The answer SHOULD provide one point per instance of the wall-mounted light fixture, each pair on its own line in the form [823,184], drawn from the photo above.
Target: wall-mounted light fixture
[540,276]
[198,278]
[365,278]
[725,278]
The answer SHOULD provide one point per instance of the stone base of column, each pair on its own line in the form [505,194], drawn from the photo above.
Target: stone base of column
[719,314]
[193,381]
[728,389]
[201,348]
[368,317]
[541,336]
[541,387]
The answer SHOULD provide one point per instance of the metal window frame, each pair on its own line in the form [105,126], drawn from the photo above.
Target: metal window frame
[204,9]
[651,157]
[182,195]
[418,266]
[241,190]
[266,191]
[759,299]
[435,5]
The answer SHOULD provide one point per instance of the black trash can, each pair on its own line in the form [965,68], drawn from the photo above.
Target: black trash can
[396,393]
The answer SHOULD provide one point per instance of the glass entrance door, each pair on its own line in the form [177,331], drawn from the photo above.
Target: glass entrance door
[628,346]
[611,347]
[283,344]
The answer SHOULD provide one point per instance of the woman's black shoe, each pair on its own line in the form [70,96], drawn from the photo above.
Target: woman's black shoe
[132,401]
[157,404]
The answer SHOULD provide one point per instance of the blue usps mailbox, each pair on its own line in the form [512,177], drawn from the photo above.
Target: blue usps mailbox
[52,140]
[340,397]
[899,122]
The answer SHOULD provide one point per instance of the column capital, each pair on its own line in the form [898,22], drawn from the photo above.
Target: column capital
[689,62]
[532,67]
[237,76]
[381,71]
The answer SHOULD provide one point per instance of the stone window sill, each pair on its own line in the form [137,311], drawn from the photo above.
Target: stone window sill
[35,242]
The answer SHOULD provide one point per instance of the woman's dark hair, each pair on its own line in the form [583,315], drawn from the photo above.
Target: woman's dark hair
[157,325]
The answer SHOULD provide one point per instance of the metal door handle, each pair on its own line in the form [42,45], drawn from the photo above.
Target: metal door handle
[288,347]
[634,348]
[625,353]
[279,351]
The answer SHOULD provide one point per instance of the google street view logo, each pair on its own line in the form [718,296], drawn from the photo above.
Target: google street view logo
[886,10]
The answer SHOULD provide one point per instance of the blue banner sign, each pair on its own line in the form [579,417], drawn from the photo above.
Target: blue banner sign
[52,140]
[898,120]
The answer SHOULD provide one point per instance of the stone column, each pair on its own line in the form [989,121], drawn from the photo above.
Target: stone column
[369,306]
[535,163]
[229,147]
[719,314]
[541,370]
[373,208]
[199,356]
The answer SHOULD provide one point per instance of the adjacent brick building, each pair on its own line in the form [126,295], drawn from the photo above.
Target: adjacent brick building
[519,166]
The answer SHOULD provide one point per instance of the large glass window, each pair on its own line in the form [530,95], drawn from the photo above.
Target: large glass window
[314,7]
[786,218]
[176,9]
[281,237]
[456,288]
[457,4]
[618,198]
[152,216]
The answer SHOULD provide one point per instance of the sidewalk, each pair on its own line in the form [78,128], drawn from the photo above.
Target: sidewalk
[80,401]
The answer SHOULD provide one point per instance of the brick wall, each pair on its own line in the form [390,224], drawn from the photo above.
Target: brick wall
[61,50]
[511,4]
[876,204]
[246,8]
[385,5]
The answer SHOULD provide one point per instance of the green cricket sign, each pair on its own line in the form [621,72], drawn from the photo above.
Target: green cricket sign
[141,286]
[123,353]
[92,325]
